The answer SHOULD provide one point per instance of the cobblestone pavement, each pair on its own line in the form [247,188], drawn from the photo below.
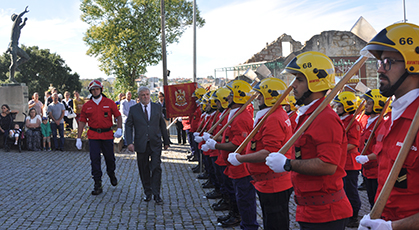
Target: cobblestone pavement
[51,190]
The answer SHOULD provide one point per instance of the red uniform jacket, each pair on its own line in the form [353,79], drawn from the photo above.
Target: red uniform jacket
[292,116]
[99,117]
[325,139]
[220,161]
[404,197]
[369,169]
[353,135]
[236,132]
[195,119]
[186,124]
[273,134]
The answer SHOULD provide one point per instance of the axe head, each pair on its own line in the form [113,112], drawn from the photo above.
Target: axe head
[361,87]
[250,74]
[263,72]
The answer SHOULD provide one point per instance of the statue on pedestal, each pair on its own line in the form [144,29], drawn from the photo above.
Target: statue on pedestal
[14,49]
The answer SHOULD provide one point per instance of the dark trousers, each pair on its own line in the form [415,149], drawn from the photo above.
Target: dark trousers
[372,185]
[246,202]
[207,163]
[193,144]
[215,179]
[226,184]
[150,170]
[350,184]
[181,134]
[275,209]
[60,128]
[69,122]
[105,147]
[335,225]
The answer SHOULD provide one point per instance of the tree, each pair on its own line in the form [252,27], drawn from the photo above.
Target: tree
[43,68]
[125,35]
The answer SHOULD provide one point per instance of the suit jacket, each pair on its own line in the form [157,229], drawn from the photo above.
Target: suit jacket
[151,130]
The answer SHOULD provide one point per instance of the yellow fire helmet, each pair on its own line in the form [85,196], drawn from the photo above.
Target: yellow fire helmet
[291,101]
[378,98]
[212,99]
[199,92]
[271,89]
[221,95]
[240,91]
[348,100]
[316,67]
[401,37]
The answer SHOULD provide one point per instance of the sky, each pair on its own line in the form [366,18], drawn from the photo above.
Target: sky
[234,29]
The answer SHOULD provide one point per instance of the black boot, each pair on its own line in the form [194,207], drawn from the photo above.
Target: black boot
[222,204]
[214,194]
[98,188]
[113,179]
[234,219]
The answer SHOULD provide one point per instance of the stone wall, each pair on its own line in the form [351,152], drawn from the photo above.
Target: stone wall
[274,50]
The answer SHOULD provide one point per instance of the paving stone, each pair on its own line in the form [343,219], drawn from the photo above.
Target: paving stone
[52,190]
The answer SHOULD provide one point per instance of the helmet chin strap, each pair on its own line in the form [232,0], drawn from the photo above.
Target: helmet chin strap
[390,92]
[301,100]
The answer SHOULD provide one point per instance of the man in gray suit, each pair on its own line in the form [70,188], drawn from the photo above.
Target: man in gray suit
[148,123]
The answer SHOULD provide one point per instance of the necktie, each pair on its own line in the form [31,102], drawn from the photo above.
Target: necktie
[145,111]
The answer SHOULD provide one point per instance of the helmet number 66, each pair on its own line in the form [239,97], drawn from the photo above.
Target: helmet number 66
[403,41]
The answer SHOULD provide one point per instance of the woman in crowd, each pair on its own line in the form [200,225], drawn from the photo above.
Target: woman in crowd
[33,130]
[6,122]
[77,105]
[68,105]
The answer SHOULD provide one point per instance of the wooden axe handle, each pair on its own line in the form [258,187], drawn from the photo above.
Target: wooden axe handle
[219,121]
[235,115]
[260,123]
[377,123]
[203,129]
[200,126]
[395,170]
[355,67]
[359,109]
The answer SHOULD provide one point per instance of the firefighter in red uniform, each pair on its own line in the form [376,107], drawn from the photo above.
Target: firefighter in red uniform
[224,185]
[345,106]
[396,48]
[274,189]
[233,136]
[98,112]
[317,167]
[194,120]
[291,110]
[373,106]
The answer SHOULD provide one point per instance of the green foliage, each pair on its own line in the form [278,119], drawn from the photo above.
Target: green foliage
[125,35]
[43,68]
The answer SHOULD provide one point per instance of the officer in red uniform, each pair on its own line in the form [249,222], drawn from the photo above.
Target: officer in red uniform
[345,106]
[317,167]
[396,48]
[274,189]
[98,112]
[233,136]
[373,106]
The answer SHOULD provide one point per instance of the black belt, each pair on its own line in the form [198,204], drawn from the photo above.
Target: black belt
[100,130]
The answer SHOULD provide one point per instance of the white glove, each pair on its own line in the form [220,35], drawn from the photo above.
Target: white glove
[377,224]
[211,143]
[118,133]
[196,134]
[205,147]
[232,158]
[198,139]
[206,136]
[78,144]
[276,162]
[362,159]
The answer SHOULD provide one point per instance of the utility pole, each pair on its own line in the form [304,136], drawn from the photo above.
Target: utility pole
[194,40]
[404,10]
[163,42]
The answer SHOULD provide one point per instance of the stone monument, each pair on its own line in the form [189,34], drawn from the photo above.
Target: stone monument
[16,94]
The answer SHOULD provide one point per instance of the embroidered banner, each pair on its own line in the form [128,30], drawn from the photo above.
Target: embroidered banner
[178,99]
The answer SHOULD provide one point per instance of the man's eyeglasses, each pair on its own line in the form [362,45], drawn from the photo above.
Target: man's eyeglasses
[386,63]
